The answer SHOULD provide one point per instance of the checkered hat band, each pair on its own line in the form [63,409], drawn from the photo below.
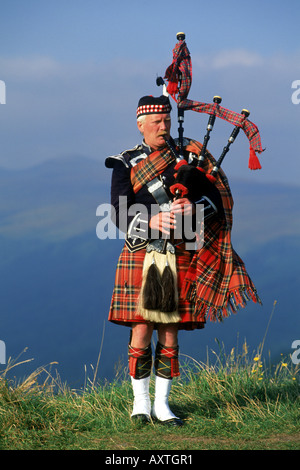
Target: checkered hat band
[153,109]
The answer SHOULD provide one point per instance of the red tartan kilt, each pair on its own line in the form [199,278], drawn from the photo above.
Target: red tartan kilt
[128,281]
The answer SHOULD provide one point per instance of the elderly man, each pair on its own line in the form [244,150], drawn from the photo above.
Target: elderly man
[210,282]
[129,186]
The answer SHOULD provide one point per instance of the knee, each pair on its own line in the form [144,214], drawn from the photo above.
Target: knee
[141,335]
[168,335]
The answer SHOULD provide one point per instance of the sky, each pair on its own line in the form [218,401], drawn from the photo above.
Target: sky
[74,71]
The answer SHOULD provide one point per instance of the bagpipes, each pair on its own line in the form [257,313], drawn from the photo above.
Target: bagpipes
[159,297]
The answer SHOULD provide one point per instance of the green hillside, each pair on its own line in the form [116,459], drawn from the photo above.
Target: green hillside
[234,403]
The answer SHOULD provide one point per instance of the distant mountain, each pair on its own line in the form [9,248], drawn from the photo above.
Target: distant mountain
[264,212]
[57,276]
[53,201]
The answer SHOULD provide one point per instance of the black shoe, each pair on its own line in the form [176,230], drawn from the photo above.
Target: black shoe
[141,418]
[169,422]
[172,422]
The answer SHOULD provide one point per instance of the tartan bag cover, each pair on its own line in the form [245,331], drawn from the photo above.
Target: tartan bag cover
[217,281]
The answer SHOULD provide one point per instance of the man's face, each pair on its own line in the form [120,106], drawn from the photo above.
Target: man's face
[153,128]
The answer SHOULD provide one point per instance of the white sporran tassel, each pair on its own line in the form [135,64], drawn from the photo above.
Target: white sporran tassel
[162,264]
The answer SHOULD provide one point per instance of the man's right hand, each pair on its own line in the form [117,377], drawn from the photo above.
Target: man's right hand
[164,222]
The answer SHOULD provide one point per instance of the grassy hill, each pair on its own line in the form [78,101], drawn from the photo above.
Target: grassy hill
[236,403]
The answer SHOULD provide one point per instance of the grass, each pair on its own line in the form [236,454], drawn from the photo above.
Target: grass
[237,402]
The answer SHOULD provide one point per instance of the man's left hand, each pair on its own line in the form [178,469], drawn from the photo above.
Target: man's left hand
[182,206]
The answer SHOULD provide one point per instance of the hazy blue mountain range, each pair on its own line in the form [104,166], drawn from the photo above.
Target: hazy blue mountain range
[57,276]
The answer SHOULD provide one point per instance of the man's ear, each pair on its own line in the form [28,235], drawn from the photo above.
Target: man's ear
[140,125]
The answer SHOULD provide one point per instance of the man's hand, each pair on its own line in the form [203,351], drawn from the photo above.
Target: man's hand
[163,221]
[166,221]
[182,206]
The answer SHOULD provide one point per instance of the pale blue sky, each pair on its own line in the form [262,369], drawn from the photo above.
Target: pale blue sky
[78,29]
[75,69]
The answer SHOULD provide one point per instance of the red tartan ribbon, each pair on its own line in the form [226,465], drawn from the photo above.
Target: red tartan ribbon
[237,119]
